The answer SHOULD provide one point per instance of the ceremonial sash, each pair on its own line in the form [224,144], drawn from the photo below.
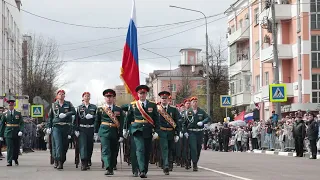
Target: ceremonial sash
[144,114]
[112,116]
[166,116]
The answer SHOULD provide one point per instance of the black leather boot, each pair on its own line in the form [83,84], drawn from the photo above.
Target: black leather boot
[55,164]
[83,165]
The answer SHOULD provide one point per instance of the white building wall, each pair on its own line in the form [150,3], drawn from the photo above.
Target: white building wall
[10,44]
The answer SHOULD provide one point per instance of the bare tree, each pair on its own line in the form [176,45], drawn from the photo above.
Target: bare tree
[183,91]
[43,67]
[219,79]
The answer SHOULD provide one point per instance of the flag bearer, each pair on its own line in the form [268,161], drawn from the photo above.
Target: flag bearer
[11,128]
[168,133]
[108,125]
[145,118]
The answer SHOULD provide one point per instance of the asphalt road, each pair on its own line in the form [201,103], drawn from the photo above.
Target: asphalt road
[213,165]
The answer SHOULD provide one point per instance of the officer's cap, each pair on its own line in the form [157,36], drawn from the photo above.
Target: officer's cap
[164,94]
[61,91]
[142,88]
[85,93]
[109,92]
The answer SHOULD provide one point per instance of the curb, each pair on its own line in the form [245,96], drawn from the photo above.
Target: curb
[289,154]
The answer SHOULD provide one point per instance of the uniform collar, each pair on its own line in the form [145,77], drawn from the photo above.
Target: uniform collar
[144,102]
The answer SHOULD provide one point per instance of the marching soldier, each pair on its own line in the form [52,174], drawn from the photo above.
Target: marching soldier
[145,118]
[168,133]
[178,145]
[185,143]
[132,146]
[84,129]
[59,124]
[196,118]
[109,124]
[11,128]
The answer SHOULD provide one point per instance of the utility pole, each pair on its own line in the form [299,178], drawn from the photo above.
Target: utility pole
[275,55]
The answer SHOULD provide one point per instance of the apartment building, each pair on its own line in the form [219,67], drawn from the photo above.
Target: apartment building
[251,54]
[189,74]
[11,44]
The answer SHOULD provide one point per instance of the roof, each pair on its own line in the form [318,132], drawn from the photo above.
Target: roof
[192,49]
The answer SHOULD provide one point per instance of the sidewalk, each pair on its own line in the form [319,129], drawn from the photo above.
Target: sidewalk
[291,154]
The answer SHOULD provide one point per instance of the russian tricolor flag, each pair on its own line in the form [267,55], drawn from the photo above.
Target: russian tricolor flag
[130,59]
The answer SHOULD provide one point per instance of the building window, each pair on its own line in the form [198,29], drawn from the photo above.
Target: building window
[232,87]
[233,54]
[315,51]
[240,23]
[315,88]
[174,87]
[315,15]
[256,16]
[258,83]
[256,52]
[266,75]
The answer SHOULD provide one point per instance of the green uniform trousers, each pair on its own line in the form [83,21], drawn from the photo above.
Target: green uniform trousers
[143,149]
[85,145]
[13,149]
[167,148]
[178,149]
[133,156]
[109,152]
[195,143]
[61,142]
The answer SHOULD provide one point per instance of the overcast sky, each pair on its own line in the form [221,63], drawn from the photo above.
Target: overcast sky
[105,69]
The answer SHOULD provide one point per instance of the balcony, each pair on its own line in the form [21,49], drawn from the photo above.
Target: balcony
[284,52]
[283,12]
[265,91]
[241,34]
[241,99]
[242,64]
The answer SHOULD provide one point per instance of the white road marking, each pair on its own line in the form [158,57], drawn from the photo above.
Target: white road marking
[223,173]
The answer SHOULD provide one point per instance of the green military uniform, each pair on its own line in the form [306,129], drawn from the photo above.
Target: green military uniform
[168,119]
[109,130]
[11,128]
[179,144]
[194,127]
[141,129]
[61,129]
[84,124]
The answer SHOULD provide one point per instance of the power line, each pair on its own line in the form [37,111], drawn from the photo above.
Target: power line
[106,27]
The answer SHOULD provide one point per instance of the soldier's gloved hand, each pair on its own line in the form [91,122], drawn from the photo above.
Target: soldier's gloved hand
[155,136]
[89,116]
[49,131]
[200,124]
[181,135]
[1,138]
[96,137]
[186,135]
[176,138]
[69,137]
[125,133]
[77,133]
[120,139]
[62,115]
[19,133]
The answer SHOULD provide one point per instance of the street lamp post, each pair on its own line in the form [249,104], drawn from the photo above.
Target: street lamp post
[169,63]
[207,56]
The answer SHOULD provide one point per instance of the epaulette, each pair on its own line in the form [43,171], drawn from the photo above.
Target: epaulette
[173,106]
[152,101]
[133,102]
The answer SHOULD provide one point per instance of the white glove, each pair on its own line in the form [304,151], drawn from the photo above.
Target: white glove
[176,138]
[62,115]
[120,139]
[49,131]
[200,124]
[89,116]
[155,135]
[69,137]
[181,135]
[186,135]
[19,133]
[77,133]
[125,133]
[1,138]
[96,136]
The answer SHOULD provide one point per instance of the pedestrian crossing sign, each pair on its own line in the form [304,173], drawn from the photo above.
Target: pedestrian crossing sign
[225,101]
[278,93]
[36,111]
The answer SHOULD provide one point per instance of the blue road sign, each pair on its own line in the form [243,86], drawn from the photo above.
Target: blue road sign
[225,101]
[278,92]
